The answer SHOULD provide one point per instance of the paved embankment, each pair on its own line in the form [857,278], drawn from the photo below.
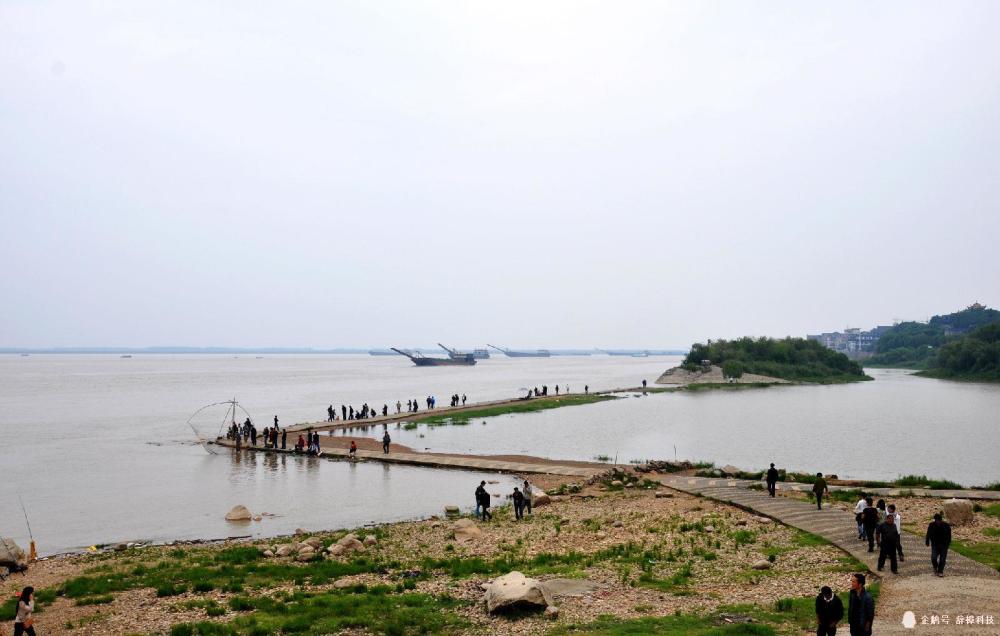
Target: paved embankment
[464,462]
[969,587]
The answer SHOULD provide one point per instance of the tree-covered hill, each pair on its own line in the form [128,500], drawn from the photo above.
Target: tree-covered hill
[914,345]
[974,356]
[794,359]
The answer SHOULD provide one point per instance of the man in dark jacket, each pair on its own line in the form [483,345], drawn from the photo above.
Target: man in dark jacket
[819,489]
[483,502]
[518,498]
[888,543]
[829,612]
[869,521]
[772,479]
[938,538]
[860,607]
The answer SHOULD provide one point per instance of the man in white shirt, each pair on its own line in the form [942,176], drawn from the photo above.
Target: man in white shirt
[858,507]
[899,530]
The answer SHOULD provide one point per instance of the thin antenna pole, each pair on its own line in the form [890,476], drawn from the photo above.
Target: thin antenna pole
[26,522]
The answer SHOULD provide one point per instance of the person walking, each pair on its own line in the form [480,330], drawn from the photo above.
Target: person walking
[329,413]
[463,399]
[24,622]
[284,438]
[772,480]
[899,531]
[480,491]
[399,407]
[938,537]
[860,607]
[880,506]
[829,612]
[644,384]
[586,389]
[518,498]
[275,420]
[353,452]
[528,495]
[385,442]
[819,488]
[887,537]
[869,521]
[858,509]
[486,506]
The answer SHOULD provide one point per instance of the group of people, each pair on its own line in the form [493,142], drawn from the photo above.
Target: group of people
[348,412]
[860,609]
[881,525]
[456,400]
[522,499]
[307,444]
[247,434]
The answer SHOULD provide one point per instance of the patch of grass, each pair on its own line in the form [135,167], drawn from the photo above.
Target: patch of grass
[677,625]
[922,481]
[103,599]
[377,609]
[987,552]
[992,510]
[991,532]
[523,406]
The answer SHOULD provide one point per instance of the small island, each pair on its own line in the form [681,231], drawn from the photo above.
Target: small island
[763,361]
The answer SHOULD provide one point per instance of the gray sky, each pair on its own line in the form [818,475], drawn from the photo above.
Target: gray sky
[521,173]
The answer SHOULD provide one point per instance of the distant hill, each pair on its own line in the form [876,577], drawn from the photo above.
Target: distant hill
[915,345]
[974,356]
[795,359]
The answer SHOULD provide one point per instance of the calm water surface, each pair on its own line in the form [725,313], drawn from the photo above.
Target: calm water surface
[99,448]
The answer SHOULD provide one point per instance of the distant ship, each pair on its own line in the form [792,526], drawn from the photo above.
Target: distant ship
[540,353]
[464,360]
[478,354]
[126,356]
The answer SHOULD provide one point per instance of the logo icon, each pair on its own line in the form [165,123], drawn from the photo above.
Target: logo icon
[909,620]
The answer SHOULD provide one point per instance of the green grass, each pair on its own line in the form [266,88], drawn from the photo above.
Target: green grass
[992,510]
[922,481]
[378,609]
[992,532]
[525,406]
[987,552]
[102,599]
[682,625]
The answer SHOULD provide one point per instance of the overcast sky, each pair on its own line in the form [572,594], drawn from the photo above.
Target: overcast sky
[615,174]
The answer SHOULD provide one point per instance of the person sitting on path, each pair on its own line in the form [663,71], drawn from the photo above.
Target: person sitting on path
[938,537]
[819,488]
[858,509]
[518,498]
[899,530]
[829,612]
[860,607]
[869,520]
[887,538]
[23,620]
[353,452]
[301,444]
[772,480]
[528,495]
[385,442]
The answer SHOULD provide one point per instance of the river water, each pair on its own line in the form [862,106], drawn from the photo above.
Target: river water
[100,450]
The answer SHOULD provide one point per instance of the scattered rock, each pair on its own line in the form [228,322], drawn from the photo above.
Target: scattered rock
[305,555]
[541,499]
[342,583]
[336,550]
[735,618]
[710,529]
[315,542]
[268,554]
[120,547]
[257,518]
[630,485]
[347,538]
[663,495]
[601,535]
[958,512]
[436,524]
[370,540]
[300,531]
[466,530]
[730,470]
[552,612]
[239,513]
[284,550]
[451,511]
[616,483]
[763,564]
[514,589]
[618,523]
[764,519]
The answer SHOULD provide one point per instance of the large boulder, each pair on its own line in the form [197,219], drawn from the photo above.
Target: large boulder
[958,512]
[515,589]
[12,556]
[285,549]
[239,513]
[351,543]
[541,499]
[315,542]
[466,530]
